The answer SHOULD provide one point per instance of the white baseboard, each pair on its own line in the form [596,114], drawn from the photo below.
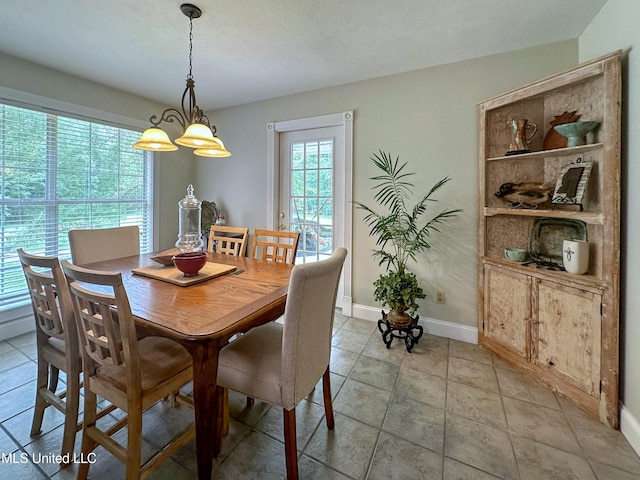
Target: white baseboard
[630,428]
[16,327]
[347,306]
[455,331]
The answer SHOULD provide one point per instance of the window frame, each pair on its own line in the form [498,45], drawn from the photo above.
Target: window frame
[15,314]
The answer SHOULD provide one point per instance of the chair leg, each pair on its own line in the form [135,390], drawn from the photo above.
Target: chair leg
[72,404]
[290,443]
[41,403]
[225,413]
[222,411]
[328,404]
[89,422]
[53,379]
[134,442]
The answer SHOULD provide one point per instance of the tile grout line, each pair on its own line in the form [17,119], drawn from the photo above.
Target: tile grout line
[22,449]
[506,417]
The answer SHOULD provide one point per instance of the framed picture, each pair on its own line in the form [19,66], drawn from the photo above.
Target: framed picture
[572,183]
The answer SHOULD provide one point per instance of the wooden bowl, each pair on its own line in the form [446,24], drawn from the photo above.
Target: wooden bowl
[190,263]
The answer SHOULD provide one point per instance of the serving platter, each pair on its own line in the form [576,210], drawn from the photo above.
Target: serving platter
[547,234]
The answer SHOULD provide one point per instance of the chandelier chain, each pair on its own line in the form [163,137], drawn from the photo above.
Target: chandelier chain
[190,46]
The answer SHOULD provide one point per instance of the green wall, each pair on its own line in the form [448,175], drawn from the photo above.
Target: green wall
[428,117]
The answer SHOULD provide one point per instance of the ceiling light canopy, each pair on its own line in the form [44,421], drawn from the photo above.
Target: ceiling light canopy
[198,133]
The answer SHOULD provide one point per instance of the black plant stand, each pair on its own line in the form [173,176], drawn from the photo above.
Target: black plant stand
[389,332]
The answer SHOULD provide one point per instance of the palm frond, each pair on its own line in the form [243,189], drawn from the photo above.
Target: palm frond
[392,190]
[399,232]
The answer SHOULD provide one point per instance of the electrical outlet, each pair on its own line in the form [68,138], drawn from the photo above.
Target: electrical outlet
[439,296]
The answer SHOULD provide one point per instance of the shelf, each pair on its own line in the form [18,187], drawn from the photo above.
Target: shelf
[569,338]
[587,282]
[592,218]
[558,152]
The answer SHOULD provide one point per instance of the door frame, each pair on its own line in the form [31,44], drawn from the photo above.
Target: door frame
[344,120]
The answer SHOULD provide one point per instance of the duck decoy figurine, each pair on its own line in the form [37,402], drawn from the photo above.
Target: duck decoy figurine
[525,194]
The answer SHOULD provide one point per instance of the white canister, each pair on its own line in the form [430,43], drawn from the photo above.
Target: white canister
[575,256]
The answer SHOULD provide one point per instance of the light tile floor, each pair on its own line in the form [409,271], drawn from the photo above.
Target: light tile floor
[448,410]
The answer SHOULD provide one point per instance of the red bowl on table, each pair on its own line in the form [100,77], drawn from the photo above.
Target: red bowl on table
[190,263]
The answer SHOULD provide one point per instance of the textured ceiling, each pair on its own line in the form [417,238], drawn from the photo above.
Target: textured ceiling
[249,50]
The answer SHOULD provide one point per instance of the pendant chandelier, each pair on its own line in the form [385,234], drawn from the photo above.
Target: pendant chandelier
[197,131]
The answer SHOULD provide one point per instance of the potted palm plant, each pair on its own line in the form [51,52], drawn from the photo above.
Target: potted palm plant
[401,233]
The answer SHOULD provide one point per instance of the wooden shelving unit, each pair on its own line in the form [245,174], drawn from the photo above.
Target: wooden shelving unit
[561,329]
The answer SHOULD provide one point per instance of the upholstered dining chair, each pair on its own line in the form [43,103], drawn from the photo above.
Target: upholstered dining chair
[130,373]
[275,245]
[97,245]
[272,246]
[56,343]
[281,363]
[228,240]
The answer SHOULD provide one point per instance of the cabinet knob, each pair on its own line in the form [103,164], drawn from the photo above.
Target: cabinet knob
[538,280]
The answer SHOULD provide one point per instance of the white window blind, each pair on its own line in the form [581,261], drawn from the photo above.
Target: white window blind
[59,174]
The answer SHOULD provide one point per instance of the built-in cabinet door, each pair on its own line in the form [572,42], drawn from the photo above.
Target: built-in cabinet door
[507,315]
[568,334]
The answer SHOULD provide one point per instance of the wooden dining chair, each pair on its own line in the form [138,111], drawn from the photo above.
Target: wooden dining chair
[281,363]
[56,343]
[228,240]
[275,245]
[130,373]
[97,245]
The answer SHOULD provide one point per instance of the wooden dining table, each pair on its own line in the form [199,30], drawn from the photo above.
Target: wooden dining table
[203,317]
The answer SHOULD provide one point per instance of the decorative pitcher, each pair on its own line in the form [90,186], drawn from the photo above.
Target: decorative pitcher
[519,138]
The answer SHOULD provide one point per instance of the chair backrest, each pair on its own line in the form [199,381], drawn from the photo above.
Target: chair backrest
[308,325]
[104,322]
[97,245]
[228,240]
[50,298]
[275,246]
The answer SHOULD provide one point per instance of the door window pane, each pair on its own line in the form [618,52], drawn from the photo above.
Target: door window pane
[311,194]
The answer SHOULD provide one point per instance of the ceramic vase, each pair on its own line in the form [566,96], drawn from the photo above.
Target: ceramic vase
[575,256]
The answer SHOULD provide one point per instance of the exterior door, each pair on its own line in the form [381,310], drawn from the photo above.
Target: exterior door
[309,176]
[310,203]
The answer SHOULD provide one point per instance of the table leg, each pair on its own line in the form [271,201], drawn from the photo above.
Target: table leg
[205,399]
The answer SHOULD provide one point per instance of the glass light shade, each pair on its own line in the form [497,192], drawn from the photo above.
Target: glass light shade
[198,135]
[155,139]
[213,152]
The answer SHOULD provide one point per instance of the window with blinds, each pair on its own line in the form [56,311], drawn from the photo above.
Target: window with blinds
[59,174]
